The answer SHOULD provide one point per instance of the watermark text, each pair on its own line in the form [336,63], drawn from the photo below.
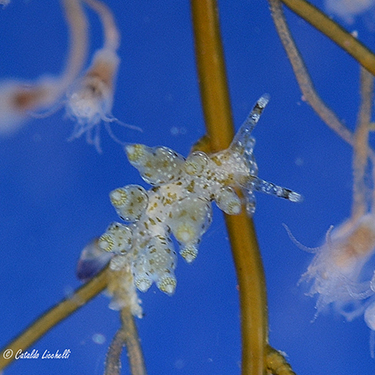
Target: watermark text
[35,354]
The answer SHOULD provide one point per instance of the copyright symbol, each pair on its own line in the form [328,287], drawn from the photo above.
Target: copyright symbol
[8,353]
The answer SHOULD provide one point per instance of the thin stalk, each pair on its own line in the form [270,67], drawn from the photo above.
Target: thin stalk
[361,147]
[325,113]
[111,33]
[127,336]
[252,289]
[78,30]
[52,317]
[218,119]
[303,76]
[333,31]
[212,75]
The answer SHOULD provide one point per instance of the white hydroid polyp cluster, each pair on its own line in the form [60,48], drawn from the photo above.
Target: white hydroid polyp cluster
[179,204]
[341,273]
[335,272]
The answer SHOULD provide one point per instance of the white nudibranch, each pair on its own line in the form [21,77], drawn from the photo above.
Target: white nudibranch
[179,203]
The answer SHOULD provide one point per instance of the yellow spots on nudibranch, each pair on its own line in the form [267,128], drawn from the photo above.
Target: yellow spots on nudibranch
[156,263]
[196,163]
[106,242]
[152,221]
[188,220]
[117,238]
[167,285]
[130,201]
[190,187]
[135,153]
[143,283]
[217,160]
[228,201]
[157,165]
[189,252]
[185,232]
